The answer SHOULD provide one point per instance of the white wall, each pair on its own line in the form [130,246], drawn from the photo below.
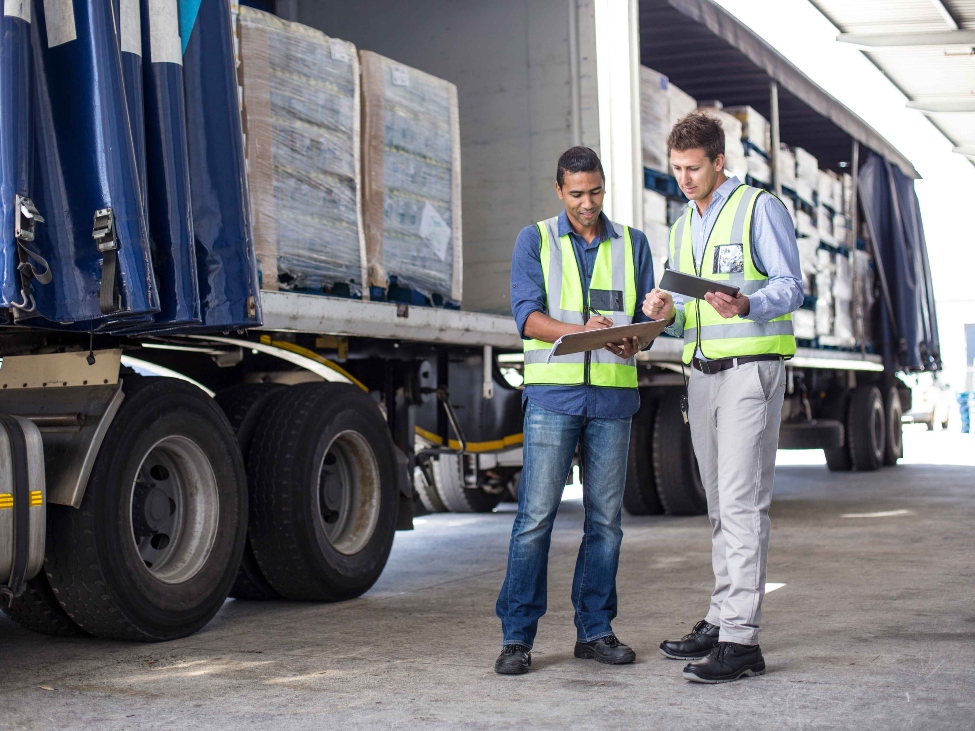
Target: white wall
[510,60]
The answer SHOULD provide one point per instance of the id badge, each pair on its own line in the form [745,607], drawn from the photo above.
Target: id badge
[729,259]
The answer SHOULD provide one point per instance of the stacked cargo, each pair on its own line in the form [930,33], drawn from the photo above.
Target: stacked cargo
[662,105]
[756,138]
[301,114]
[656,215]
[411,182]
[734,150]
[807,176]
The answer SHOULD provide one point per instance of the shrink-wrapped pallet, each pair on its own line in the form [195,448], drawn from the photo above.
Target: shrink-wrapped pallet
[301,119]
[681,104]
[754,127]
[824,187]
[807,175]
[654,207]
[865,282]
[804,324]
[805,225]
[786,167]
[841,229]
[654,118]
[411,179]
[734,151]
[824,225]
[758,167]
[808,261]
[790,206]
[658,236]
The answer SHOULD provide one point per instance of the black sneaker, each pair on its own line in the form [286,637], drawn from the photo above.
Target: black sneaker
[513,660]
[728,661]
[697,644]
[608,650]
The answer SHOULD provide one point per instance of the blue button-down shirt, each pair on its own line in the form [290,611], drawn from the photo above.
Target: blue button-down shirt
[773,246]
[528,296]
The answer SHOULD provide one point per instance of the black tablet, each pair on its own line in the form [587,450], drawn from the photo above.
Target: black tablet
[691,286]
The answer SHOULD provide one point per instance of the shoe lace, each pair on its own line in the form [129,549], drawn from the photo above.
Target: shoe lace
[698,628]
[512,649]
[612,641]
[722,649]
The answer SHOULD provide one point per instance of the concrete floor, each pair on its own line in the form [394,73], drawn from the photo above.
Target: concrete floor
[874,628]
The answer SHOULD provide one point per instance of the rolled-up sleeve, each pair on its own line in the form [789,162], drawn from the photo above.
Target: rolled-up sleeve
[527,278]
[776,252]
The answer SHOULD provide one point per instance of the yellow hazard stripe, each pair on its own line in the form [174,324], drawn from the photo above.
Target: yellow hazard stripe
[497,445]
[35,501]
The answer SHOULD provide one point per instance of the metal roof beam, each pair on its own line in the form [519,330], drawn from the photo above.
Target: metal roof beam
[924,39]
[946,104]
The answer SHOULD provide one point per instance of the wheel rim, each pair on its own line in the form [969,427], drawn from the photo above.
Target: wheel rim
[349,493]
[174,508]
[894,425]
[877,428]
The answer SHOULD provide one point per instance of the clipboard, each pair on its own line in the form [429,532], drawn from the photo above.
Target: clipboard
[596,339]
[691,286]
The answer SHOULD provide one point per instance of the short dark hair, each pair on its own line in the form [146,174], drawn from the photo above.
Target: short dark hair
[578,160]
[695,130]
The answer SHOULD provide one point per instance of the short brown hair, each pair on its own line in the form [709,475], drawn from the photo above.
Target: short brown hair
[695,130]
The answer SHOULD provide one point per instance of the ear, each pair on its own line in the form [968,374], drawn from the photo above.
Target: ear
[719,163]
[558,191]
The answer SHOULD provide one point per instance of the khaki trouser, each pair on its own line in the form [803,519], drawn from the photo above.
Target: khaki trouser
[734,416]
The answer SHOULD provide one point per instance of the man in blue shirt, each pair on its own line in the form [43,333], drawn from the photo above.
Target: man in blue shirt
[564,409]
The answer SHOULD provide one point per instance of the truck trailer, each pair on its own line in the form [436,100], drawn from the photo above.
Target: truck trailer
[186,420]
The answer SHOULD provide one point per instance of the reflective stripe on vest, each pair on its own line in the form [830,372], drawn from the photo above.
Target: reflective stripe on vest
[612,293]
[704,328]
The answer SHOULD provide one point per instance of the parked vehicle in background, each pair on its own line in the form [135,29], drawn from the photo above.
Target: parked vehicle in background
[931,401]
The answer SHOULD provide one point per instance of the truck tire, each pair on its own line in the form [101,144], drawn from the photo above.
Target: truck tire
[674,464]
[514,487]
[39,610]
[866,430]
[894,442]
[836,407]
[640,492]
[427,493]
[244,404]
[825,434]
[456,495]
[325,498]
[153,550]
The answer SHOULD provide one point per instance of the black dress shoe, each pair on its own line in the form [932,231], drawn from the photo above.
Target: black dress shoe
[728,661]
[697,644]
[513,660]
[607,650]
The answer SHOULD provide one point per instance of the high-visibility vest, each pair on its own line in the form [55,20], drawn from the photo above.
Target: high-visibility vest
[612,293]
[704,328]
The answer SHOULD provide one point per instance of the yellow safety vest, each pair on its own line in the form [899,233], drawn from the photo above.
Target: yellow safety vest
[612,293]
[728,258]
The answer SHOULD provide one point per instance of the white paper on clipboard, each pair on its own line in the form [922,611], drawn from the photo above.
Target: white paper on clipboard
[580,342]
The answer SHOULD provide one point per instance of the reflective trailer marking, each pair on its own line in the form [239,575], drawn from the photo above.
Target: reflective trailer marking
[6,501]
[131,27]
[59,18]
[36,499]
[17,9]
[164,42]
[883,514]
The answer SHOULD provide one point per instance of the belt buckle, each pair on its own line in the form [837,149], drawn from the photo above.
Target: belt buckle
[705,366]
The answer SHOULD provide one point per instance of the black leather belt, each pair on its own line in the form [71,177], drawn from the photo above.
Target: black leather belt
[711,367]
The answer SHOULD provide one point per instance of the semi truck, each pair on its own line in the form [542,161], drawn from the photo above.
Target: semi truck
[158,458]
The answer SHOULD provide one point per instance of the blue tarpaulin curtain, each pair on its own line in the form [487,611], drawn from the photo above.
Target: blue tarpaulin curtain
[909,326]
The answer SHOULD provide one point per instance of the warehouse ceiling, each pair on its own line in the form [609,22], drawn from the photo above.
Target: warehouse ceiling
[709,54]
[925,47]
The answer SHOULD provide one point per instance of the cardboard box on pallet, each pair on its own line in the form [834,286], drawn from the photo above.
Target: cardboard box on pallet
[301,120]
[758,167]
[787,167]
[662,105]
[807,175]
[734,151]
[754,127]
[804,324]
[411,179]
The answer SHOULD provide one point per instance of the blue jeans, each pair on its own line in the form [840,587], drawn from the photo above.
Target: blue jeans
[550,441]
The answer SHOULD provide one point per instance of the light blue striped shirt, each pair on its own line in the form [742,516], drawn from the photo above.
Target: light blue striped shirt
[774,249]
